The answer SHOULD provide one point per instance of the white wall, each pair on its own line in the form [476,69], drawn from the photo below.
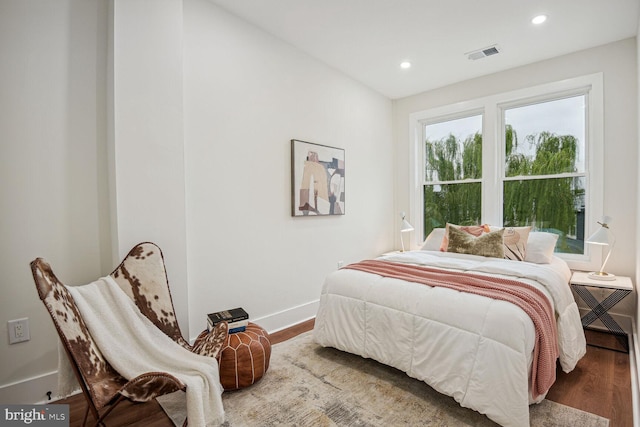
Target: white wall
[147,173]
[110,138]
[247,95]
[617,62]
[52,97]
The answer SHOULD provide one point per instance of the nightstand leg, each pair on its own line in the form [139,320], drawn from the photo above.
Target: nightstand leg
[599,310]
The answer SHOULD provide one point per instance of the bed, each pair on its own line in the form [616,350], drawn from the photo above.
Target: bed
[474,348]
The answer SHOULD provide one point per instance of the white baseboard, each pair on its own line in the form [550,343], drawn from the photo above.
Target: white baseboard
[283,319]
[31,391]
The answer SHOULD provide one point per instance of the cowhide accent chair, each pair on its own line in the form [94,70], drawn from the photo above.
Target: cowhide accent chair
[143,277]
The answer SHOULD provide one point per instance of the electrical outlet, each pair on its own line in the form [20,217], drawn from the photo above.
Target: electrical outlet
[18,330]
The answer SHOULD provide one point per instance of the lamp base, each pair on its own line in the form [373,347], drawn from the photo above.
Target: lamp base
[601,275]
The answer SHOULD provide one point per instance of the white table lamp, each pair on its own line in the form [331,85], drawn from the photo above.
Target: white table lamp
[405,227]
[603,237]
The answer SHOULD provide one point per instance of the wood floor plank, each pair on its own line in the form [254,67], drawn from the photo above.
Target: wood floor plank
[600,383]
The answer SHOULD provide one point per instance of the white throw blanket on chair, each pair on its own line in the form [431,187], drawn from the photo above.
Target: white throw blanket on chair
[133,345]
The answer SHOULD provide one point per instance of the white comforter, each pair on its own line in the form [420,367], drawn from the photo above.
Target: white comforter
[473,348]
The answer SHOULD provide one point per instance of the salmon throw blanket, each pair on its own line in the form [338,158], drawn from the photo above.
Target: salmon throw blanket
[531,300]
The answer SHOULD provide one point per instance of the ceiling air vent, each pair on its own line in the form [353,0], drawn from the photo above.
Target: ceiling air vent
[482,53]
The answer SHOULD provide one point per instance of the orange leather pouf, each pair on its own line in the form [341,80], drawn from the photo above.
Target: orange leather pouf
[245,357]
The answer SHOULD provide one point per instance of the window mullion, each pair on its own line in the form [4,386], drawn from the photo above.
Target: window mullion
[550,176]
[460,181]
[491,199]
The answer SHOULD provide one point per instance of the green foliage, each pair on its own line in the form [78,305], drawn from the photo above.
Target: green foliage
[553,154]
[455,203]
[449,159]
[545,203]
[472,157]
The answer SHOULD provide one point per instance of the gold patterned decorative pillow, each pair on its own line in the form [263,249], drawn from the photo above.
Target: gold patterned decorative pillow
[515,242]
[488,244]
[474,230]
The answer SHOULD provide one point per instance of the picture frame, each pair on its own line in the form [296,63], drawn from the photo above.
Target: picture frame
[317,179]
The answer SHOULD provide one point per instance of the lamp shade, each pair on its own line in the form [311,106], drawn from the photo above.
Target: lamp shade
[406,227]
[603,235]
[600,237]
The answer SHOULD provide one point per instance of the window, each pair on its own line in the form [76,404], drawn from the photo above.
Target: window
[544,179]
[529,157]
[453,172]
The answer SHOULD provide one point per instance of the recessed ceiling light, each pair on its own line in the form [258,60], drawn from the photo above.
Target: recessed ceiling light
[405,65]
[539,19]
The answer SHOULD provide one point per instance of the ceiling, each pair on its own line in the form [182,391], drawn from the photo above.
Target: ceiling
[368,39]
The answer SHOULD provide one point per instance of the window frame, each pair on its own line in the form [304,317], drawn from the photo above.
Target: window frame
[493,154]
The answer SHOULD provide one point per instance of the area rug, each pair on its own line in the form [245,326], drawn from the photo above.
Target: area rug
[308,385]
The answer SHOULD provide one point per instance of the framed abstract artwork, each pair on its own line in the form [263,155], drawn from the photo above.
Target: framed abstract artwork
[317,179]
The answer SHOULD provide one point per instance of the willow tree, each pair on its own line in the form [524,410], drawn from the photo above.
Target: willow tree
[542,201]
[447,160]
[537,199]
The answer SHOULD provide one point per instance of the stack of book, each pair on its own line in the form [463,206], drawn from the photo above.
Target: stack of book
[236,318]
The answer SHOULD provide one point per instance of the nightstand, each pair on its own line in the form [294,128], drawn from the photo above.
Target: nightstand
[621,287]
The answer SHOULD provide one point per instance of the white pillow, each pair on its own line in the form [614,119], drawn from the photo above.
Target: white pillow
[540,247]
[433,240]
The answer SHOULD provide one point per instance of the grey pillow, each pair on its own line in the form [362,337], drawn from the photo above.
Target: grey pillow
[488,244]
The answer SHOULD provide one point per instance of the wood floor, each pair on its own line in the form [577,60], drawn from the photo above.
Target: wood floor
[600,384]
